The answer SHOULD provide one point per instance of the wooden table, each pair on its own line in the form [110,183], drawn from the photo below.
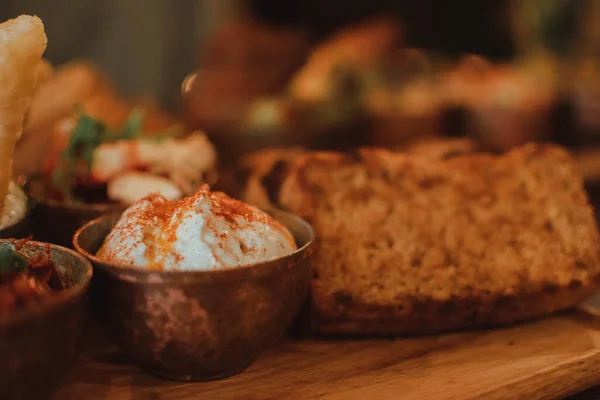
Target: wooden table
[548,359]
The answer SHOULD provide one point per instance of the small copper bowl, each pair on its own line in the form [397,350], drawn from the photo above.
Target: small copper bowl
[198,325]
[39,345]
[56,222]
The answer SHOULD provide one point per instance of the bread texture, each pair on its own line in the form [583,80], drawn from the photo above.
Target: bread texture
[411,244]
[265,172]
[259,175]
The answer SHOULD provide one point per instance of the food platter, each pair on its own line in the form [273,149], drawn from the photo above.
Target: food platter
[425,267]
[551,358]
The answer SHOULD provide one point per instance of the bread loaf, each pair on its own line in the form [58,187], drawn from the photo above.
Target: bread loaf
[408,244]
[259,175]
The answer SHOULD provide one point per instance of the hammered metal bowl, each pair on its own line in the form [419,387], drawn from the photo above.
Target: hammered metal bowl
[198,325]
[40,344]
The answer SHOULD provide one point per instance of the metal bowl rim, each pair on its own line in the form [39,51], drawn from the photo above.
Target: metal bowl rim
[242,272]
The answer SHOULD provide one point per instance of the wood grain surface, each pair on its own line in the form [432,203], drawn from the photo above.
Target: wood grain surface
[548,359]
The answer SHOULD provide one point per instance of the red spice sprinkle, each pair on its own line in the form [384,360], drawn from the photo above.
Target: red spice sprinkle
[162,211]
[222,206]
[37,261]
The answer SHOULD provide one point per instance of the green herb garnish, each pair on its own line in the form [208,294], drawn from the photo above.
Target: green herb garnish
[133,126]
[88,134]
[11,262]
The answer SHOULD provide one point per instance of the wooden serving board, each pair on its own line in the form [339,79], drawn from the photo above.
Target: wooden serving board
[547,359]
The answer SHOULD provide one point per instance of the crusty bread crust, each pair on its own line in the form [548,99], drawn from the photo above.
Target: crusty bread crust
[414,245]
[428,316]
[259,175]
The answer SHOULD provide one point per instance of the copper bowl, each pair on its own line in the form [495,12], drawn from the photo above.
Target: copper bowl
[39,345]
[198,325]
[55,221]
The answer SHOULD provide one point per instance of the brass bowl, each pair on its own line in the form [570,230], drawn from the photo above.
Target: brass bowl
[198,325]
[40,344]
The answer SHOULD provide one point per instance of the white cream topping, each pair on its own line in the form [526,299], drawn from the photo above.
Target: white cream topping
[205,231]
[130,187]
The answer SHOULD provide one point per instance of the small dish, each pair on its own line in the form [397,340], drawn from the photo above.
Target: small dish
[198,325]
[40,344]
[55,222]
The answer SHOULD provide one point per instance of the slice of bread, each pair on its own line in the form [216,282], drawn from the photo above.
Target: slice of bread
[408,244]
[259,175]
[265,171]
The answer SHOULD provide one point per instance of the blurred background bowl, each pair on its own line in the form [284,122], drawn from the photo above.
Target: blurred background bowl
[40,344]
[198,325]
[55,222]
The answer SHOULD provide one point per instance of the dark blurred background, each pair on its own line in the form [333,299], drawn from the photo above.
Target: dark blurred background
[249,53]
[148,46]
[463,26]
